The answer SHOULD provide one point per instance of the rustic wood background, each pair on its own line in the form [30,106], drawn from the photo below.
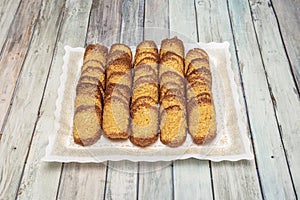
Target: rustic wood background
[264,37]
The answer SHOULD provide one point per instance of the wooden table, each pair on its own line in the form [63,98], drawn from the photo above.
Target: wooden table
[265,46]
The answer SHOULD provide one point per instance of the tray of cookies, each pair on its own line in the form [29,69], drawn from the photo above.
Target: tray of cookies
[149,103]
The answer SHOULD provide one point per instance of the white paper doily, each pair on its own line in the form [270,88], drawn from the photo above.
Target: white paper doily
[232,142]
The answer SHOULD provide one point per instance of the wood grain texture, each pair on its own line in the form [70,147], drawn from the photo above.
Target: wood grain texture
[19,129]
[7,18]
[105,22]
[41,179]
[183,20]
[288,16]
[196,175]
[14,52]
[281,83]
[155,179]
[132,22]
[121,176]
[156,25]
[121,182]
[82,181]
[213,24]
[270,93]
[193,172]
[270,156]
[236,180]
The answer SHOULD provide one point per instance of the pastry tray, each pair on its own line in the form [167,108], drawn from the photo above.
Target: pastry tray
[232,142]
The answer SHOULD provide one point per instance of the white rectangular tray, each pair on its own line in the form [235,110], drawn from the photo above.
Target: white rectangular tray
[232,142]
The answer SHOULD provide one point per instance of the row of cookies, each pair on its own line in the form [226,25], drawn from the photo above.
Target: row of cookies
[172,93]
[201,111]
[144,104]
[117,93]
[89,96]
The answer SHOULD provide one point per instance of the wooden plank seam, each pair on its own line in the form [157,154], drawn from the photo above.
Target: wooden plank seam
[272,96]
[9,30]
[21,69]
[244,96]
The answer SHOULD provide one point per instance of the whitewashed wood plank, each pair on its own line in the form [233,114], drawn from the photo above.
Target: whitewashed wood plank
[24,112]
[132,22]
[14,52]
[155,179]
[236,180]
[183,24]
[121,182]
[213,24]
[281,84]
[270,156]
[82,181]
[105,22]
[156,25]
[183,20]
[41,179]
[196,175]
[8,10]
[288,15]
